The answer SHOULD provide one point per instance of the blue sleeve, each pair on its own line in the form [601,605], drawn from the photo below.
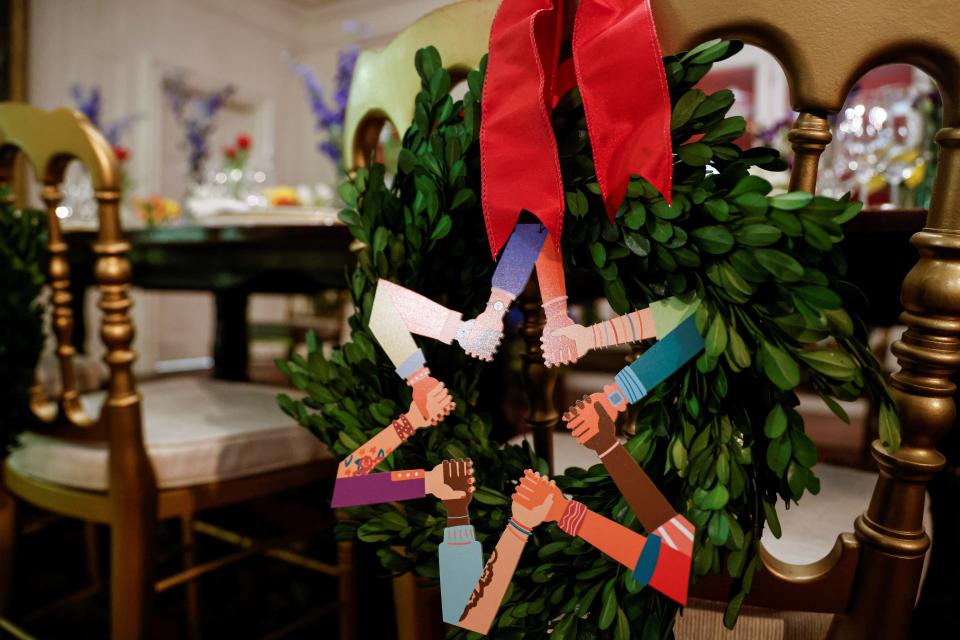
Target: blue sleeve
[661,361]
[461,563]
[519,257]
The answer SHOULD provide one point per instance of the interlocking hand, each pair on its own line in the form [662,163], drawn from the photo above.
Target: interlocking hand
[435,480]
[439,403]
[535,498]
[458,476]
[536,490]
[581,337]
[557,345]
[590,421]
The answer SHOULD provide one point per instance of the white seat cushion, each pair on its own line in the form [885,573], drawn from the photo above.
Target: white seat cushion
[196,431]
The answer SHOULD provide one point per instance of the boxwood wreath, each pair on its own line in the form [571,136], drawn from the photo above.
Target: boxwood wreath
[722,437]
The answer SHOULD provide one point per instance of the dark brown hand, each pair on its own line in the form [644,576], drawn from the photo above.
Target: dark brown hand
[458,475]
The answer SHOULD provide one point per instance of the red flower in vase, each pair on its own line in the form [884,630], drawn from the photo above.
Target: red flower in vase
[230,153]
[244,141]
[122,153]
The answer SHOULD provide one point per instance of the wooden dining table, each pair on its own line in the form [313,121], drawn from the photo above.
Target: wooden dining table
[231,257]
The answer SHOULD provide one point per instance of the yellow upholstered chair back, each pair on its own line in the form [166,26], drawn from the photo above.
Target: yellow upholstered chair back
[870,579]
[49,140]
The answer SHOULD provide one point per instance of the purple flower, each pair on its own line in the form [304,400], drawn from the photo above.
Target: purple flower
[329,119]
[196,115]
[89,103]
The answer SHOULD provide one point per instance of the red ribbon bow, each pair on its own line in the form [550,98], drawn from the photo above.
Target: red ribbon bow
[617,65]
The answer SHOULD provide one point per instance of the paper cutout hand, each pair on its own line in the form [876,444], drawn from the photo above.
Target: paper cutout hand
[481,336]
[535,499]
[458,476]
[435,480]
[536,490]
[580,336]
[438,405]
[422,384]
[558,346]
[591,422]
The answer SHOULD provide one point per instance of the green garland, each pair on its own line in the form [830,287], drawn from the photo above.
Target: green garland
[721,438]
[22,248]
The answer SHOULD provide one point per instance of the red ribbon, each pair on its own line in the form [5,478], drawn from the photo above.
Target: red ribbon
[618,67]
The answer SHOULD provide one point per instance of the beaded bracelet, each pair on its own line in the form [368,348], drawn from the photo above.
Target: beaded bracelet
[403,427]
[526,533]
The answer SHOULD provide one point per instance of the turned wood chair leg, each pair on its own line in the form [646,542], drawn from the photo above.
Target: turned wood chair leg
[188,540]
[131,568]
[8,543]
[539,382]
[346,589]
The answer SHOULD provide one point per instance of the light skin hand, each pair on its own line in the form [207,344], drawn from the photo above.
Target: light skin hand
[591,423]
[439,404]
[581,336]
[535,490]
[533,502]
[484,333]
[421,390]
[558,347]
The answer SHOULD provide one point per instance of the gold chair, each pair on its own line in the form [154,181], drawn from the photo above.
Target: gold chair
[870,580]
[111,459]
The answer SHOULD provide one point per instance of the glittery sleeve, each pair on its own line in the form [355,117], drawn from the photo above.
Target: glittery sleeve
[398,313]
[518,258]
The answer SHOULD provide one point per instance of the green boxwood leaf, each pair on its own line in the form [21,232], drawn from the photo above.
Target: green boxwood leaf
[716,340]
[776,423]
[831,363]
[696,154]
[791,201]
[758,235]
[713,239]
[752,204]
[685,106]
[778,454]
[782,266]
[779,367]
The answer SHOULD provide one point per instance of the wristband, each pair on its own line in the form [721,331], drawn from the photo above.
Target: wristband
[612,447]
[403,427]
[526,533]
[572,518]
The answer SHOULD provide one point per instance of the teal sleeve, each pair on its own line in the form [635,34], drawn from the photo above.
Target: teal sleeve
[461,563]
[661,361]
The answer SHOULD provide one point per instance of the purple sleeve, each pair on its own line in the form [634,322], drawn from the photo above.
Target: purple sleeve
[518,258]
[375,488]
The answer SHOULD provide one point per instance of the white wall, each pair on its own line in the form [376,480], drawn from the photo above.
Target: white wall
[126,47]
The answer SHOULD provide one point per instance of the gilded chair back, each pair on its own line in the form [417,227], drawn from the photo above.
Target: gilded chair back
[871,577]
[49,140]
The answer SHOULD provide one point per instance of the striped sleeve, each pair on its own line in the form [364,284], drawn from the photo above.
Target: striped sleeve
[661,361]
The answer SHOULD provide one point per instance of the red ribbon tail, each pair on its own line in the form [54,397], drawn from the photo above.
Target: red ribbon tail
[520,169]
[619,70]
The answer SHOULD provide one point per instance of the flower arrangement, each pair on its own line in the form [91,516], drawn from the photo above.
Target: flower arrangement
[89,103]
[235,162]
[236,157]
[195,114]
[329,119]
[156,210]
